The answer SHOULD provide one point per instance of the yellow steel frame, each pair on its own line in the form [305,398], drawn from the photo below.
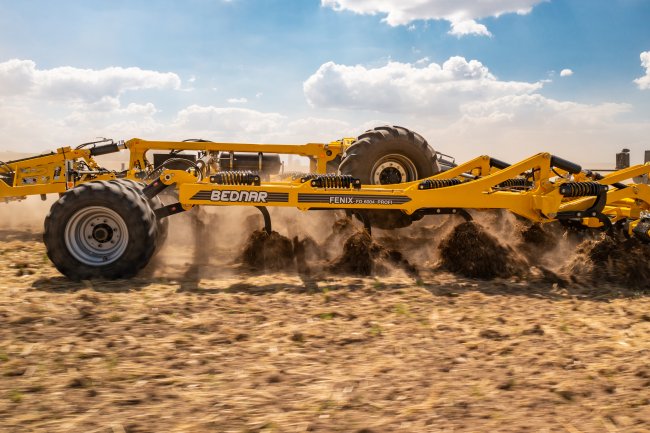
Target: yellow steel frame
[47,174]
[319,154]
[541,203]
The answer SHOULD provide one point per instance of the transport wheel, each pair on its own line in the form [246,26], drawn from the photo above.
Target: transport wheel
[333,165]
[100,230]
[154,203]
[388,155]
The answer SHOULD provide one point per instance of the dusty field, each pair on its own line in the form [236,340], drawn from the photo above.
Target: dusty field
[199,344]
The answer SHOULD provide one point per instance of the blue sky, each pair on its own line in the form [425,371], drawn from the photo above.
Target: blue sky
[249,61]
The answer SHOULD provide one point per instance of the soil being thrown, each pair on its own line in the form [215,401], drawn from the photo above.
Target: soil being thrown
[363,256]
[607,259]
[472,252]
[271,252]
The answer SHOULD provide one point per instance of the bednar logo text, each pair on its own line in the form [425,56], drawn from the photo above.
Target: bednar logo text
[246,196]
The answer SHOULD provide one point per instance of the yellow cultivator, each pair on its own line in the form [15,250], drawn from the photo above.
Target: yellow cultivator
[109,223]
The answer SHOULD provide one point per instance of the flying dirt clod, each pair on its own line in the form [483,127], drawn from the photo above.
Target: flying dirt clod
[363,256]
[472,252]
[264,251]
[605,259]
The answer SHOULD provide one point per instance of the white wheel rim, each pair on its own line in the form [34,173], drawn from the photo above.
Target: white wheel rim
[96,236]
[397,164]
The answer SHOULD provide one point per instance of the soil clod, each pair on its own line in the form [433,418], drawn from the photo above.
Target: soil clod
[363,256]
[472,252]
[272,252]
[607,259]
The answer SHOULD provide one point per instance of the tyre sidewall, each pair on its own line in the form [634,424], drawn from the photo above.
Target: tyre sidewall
[132,208]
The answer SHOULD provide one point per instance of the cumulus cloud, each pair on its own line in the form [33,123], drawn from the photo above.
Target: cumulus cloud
[404,87]
[461,14]
[566,73]
[644,82]
[49,107]
[536,110]
[21,77]
[468,27]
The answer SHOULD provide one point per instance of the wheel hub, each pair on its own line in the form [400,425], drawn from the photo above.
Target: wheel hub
[391,175]
[103,233]
[392,169]
[96,236]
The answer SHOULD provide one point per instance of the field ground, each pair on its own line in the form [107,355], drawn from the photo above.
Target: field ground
[215,349]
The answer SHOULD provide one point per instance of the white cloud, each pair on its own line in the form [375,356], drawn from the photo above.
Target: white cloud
[22,78]
[460,13]
[48,107]
[403,87]
[514,127]
[538,110]
[459,106]
[566,73]
[237,100]
[644,82]
[464,110]
[468,27]
[16,77]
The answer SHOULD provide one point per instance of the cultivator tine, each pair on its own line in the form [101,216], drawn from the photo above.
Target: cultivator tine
[267,219]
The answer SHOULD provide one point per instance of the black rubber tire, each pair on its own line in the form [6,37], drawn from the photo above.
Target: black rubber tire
[333,165]
[154,203]
[375,144]
[128,204]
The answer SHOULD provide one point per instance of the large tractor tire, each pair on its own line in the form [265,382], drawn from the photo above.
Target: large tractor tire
[100,230]
[154,203]
[388,155]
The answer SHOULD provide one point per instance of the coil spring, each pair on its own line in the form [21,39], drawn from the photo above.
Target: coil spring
[582,189]
[334,181]
[518,182]
[437,183]
[235,178]
[304,177]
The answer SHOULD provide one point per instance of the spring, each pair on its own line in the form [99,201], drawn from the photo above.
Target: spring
[304,177]
[335,181]
[235,178]
[518,182]
[437,183]
[582,189]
